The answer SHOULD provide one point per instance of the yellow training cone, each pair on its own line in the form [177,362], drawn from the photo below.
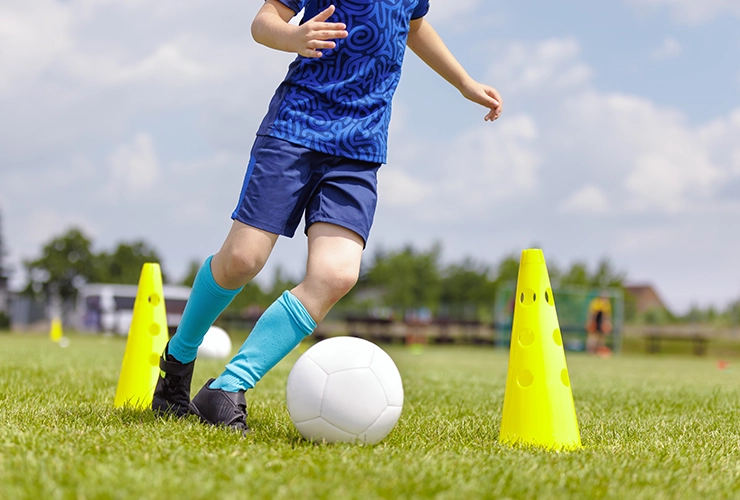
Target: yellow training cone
[538,403]
[55,333]
[147,338]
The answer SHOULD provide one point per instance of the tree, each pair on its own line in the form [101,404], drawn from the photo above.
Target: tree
[193,268]
[65,264]
[467,290]
[507,270]
[606,276]
[733,313]
[280,283]
[603,276]
[410,279]
[250,296]
[124,264]
[577,274]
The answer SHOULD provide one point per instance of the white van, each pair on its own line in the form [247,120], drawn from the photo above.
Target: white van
[109,308]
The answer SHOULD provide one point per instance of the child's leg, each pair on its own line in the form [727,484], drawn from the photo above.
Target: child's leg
[207,300]
[333,266]
[335,194]
[241,257]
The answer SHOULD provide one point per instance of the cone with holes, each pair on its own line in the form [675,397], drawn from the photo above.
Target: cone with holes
[147,338]
[538,403]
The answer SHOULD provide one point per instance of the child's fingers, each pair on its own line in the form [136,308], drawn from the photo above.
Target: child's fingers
[493,97]
[492,115]
[485,99]
[319,44]
[314,48]
[328,33]
[329,26]
[495,103]
[323,15]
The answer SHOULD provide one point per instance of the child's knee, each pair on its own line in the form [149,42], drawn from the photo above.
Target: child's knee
[343,283]
[337,283]
[241,266]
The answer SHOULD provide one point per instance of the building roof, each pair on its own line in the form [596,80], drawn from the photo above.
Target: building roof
[646,296]
[170,291]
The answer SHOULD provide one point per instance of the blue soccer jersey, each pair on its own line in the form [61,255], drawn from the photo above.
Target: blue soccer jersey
[340,104]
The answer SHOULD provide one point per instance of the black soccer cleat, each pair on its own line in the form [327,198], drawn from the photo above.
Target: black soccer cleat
[172,394]
[218,407]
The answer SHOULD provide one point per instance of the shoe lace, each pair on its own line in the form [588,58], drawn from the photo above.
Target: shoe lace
[239,418]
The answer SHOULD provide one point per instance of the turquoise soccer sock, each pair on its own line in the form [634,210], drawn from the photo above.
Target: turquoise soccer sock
[280,328]
[207,300]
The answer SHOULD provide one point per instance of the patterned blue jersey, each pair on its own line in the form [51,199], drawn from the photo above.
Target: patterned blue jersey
[340,104]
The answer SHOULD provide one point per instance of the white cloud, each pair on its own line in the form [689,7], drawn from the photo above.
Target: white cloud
[477,170]
[629,154]
[720,138]
[134,168]
[400,189]
[168,65]
[588,199]
[444,11]
[33,35]
[637,240]
[638,178]
[489,164]
[670,49]
[643,155]
[665,166]
[89,43]
[552,64]
[694,11]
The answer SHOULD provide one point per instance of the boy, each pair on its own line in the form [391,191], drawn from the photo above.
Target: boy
[317,153]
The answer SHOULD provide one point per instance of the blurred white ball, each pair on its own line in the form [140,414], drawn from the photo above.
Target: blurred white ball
[344,389]
[216,344]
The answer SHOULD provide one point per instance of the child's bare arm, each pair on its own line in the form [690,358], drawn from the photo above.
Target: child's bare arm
[427,44]
[271,28]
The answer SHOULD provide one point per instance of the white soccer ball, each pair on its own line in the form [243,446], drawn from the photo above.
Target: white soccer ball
[216,344]
[344,389]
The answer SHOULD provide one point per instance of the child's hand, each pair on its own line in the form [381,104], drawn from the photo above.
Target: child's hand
[485,96]
[317,34]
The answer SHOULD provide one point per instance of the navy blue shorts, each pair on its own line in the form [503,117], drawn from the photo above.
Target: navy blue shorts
[284,181]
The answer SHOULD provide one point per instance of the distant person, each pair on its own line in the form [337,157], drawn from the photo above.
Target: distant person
[316,156]
[599,325]
[417,322]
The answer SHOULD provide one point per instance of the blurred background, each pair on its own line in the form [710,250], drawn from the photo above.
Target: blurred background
[125,129]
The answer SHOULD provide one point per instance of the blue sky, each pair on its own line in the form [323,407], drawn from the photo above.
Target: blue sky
[620,139]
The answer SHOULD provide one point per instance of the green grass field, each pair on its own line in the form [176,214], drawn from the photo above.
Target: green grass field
[652,427]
